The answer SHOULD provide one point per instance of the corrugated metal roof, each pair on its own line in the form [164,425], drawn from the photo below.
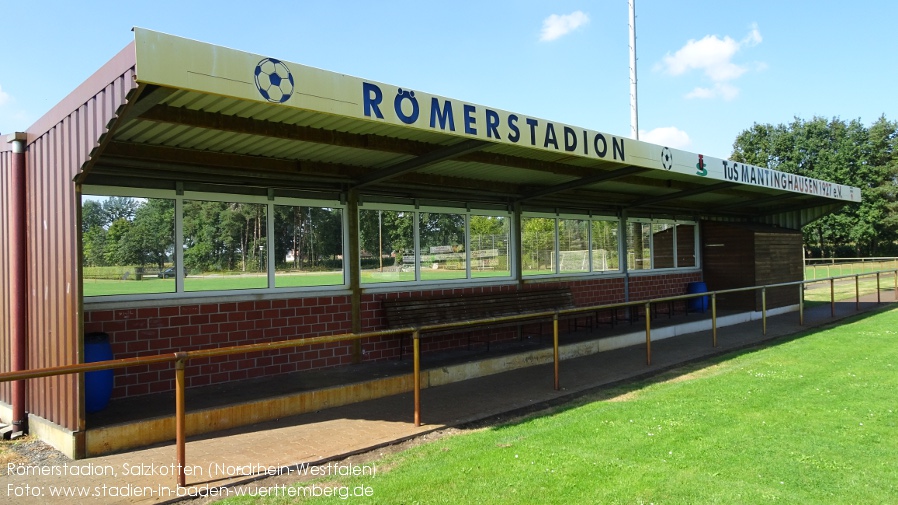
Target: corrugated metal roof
[191,127]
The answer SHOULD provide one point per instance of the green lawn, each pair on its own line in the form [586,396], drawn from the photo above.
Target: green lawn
[811,420]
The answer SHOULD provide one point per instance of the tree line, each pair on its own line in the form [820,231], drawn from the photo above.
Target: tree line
[842,152]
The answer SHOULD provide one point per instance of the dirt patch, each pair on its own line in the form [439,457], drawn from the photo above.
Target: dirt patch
[29,451]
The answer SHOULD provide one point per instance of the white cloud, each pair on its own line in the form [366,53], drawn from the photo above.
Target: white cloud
[4,96]
[714,57]
[720,90]
[556,26]
[668,136]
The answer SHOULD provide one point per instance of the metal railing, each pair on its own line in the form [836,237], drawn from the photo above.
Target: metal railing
[180,359]
[828,267]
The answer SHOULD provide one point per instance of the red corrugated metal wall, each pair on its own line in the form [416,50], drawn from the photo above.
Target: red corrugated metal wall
[54,157]
[5,316]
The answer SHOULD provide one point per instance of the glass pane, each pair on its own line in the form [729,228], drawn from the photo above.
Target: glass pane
[127,245]
[662,245]
[573,240]
[308,246]
[639,246]
[605,246]
[224,246]
[538,245]
[686,245]
[489,246]
[387,240]
[442,239]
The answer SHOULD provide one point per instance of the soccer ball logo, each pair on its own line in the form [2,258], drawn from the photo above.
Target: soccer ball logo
[666,159]
[274,80]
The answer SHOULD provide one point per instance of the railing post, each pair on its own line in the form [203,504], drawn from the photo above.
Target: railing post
[714,319]
[648,333]
[801,304]
[878,299]
[416,349]
[555,349]
[857,293]
[832,297]
[764,310]
[895,277]
[180,419]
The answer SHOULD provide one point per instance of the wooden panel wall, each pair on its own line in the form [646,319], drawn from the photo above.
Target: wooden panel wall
[728,262]
[741,255]
[778,258]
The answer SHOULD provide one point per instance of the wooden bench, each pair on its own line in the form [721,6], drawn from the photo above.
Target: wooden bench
[431,310]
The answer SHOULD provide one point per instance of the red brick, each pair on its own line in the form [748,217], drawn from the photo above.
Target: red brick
[209,308]
[189,310]
[169,311]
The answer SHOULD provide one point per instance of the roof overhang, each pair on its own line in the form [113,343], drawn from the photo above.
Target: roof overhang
[207,115]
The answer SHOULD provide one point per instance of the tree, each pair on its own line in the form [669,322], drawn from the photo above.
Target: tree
[150,240]
[841,152]
[92,216]
[119,207]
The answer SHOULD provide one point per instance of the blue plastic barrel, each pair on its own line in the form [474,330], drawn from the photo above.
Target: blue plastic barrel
[699,303]
[97,385]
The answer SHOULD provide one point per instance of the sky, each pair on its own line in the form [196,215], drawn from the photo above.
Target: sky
[707,70]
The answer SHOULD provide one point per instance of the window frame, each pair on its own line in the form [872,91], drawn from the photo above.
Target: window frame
[675,226]
[589,219]
[416,212]
[179,197]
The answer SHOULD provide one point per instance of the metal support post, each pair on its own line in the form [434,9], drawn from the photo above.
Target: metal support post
[180,420]
[417,375]
[764,310]
[648,333]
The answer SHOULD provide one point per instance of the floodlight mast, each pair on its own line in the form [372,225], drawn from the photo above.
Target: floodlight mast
[634,108]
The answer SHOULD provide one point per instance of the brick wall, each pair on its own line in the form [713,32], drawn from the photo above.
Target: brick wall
[158,330]
[172,328]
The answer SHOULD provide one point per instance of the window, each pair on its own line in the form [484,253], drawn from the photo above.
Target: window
[573,244]
[308,246]
[226,242]
[660,244]
[538,245]
[225,245]
[569,245]
[489,246]
[431,245]
[686,245]
[128,243]
[443,255]
[605,243]
[387,242]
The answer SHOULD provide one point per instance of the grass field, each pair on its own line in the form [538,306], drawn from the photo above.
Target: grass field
[845,289]
[823,270]
[810,420]
[153,284]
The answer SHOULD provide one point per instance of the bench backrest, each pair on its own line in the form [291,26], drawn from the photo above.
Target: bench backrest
[426,310]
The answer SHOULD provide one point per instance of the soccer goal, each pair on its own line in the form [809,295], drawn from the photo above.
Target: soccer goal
[573,261]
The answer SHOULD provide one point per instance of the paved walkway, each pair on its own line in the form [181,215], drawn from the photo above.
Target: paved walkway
[235,456]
